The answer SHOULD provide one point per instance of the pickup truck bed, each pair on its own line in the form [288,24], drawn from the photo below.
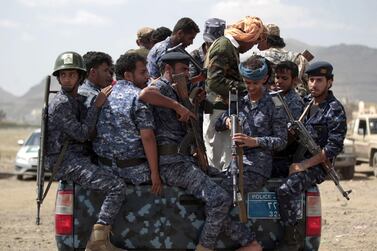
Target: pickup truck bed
[173,220]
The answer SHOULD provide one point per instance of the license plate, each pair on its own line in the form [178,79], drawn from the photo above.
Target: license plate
[264,205]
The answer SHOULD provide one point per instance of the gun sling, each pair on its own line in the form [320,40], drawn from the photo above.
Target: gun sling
[122,163]
[55,168]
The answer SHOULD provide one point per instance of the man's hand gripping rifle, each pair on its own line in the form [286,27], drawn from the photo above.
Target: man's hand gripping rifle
[305,140]
[202,76]
[193,135]
[236,164]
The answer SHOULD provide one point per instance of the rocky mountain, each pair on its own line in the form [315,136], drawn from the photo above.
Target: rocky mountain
[355,76]
[354,70]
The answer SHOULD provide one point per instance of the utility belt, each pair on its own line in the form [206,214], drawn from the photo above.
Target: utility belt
[170,149]
[122,163]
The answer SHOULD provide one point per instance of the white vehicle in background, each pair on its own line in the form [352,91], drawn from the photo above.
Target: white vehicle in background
[345,162]
[364,135]
[27,157]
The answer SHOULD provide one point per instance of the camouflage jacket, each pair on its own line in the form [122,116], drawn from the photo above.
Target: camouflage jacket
[268,124]
[120,122]
[328,125]
[154,57]
[295,103]
[222,62]
[118,130]
[66,121]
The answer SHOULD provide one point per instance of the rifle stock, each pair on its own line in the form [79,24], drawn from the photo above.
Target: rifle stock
[41,152]
[180,84]
[305,139]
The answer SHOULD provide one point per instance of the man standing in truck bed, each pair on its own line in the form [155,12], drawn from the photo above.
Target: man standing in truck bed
[326,123]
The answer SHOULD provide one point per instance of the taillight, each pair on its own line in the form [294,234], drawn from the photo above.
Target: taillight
[63,213]
[313,214]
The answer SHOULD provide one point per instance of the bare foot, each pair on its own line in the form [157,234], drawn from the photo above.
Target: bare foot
[254,246]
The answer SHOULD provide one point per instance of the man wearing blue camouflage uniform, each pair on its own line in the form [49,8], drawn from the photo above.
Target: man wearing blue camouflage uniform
[184,32]
[263,125]
[181,169]
[286,74]
[98,67]
[67,130]
[326,123]
[125,141]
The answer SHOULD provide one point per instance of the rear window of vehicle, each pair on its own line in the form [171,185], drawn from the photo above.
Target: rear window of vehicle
[373,126]
[33,140]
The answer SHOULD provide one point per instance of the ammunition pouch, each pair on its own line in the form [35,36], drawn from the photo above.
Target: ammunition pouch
[122,163]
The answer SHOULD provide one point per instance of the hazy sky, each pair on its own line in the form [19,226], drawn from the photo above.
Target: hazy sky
[34,32]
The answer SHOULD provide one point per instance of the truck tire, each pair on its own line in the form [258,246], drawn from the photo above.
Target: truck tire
[374,162]
[347,172]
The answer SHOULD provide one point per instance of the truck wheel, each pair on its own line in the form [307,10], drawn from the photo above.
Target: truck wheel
[20,177]
[375,164]
[347,172]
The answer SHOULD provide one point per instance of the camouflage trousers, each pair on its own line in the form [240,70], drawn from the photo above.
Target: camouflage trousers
[82,171]
[251,182]
[236,230]
[292,188]
[187,175]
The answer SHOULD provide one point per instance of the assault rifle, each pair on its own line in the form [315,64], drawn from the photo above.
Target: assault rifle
[306,140]
[41,153]
[236,164]
[193,134]
[203,71]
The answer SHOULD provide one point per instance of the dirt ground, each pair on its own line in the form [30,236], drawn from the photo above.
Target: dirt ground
[347,225]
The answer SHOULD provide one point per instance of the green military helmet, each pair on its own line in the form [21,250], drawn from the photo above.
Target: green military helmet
[69,60]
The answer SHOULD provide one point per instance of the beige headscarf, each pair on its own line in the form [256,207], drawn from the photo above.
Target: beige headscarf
[248,30]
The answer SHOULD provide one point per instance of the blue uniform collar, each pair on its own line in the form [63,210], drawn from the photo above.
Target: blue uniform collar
[88,82]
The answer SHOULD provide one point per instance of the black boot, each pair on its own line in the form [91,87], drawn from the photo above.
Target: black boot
[290,239]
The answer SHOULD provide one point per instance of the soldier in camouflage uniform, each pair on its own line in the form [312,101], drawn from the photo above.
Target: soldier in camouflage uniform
[213,29]
[326,123]
[125,138]
[222,62]
[98,67]
[67,130]
[184,32]
[273,50]
[286,74]
[125,141]
[264,125]
[181,169]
